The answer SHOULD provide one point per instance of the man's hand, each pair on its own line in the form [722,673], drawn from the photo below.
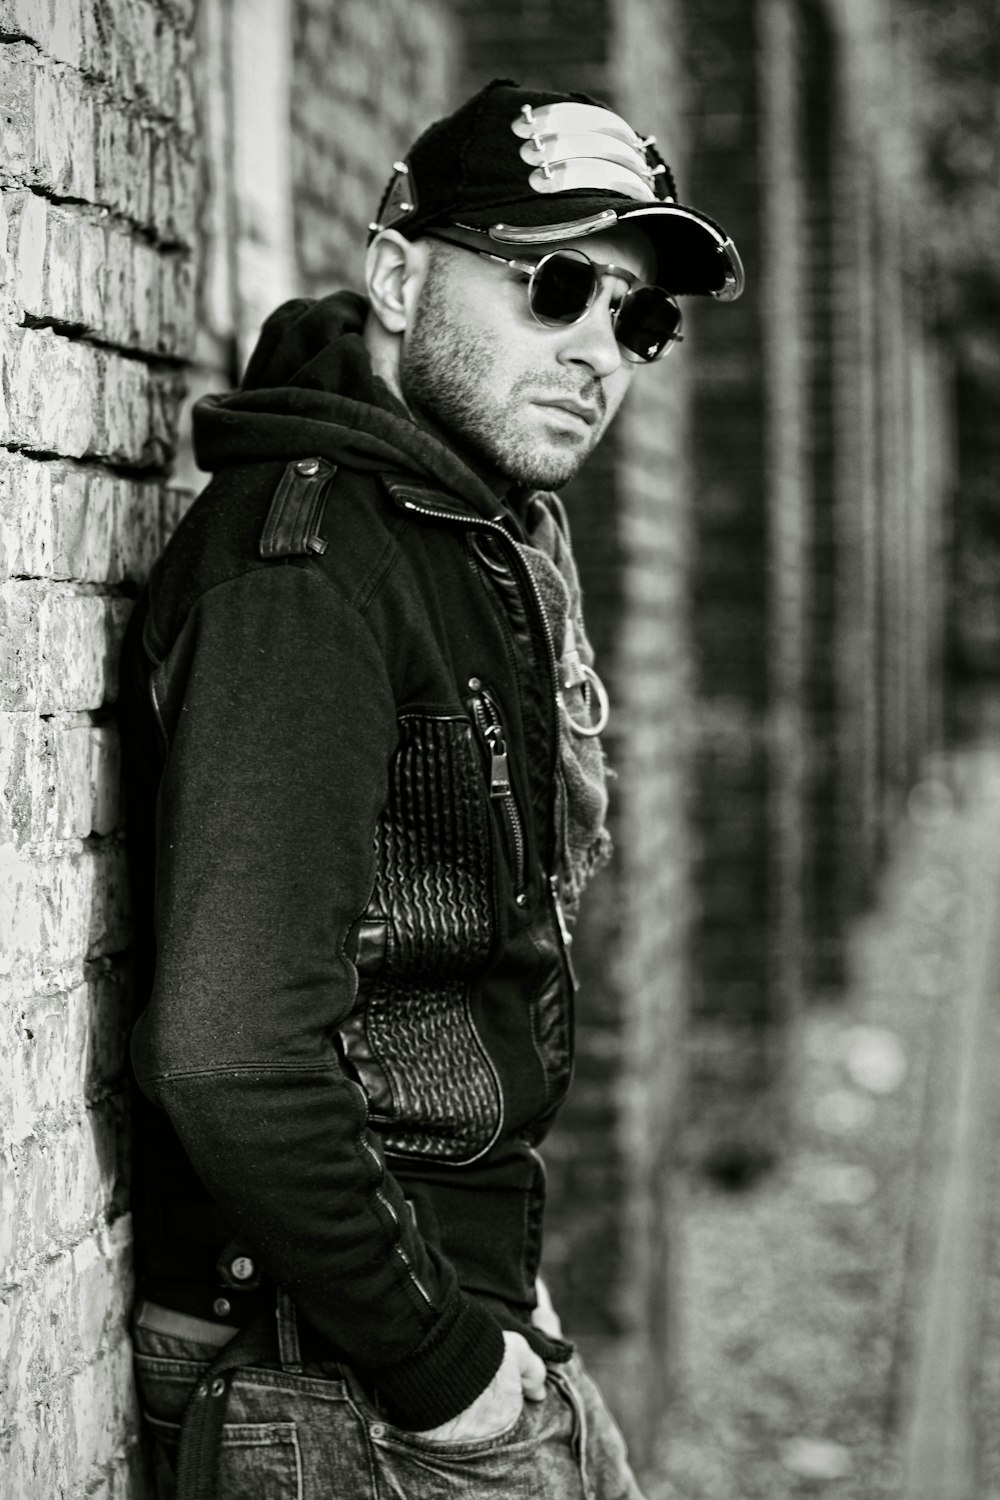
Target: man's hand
[522,1375]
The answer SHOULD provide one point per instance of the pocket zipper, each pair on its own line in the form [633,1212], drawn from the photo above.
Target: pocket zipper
[490,726]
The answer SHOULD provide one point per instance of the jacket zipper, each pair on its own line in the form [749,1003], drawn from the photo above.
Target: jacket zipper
[487,525]
[490,727]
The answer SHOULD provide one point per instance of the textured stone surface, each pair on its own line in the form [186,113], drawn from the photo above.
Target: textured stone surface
[69,266]
[97,215]
[64,137]
[123,43]
[61,521]
[63,395]
[368,77]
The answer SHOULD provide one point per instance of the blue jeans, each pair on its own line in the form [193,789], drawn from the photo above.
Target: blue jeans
[315,1435]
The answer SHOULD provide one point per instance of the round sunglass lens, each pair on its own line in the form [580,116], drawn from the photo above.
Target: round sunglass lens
[648,322]
[563,287]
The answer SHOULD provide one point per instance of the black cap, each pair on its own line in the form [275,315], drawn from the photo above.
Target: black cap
[532,168]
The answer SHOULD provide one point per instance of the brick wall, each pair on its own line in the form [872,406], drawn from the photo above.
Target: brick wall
[729,49]
[148,220]
[816,585]
[369,74]
[96,312]
[890,447]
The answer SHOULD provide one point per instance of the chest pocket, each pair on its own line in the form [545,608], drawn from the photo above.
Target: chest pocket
[432,901]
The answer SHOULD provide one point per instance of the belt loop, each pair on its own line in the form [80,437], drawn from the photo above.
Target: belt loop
[289,1352]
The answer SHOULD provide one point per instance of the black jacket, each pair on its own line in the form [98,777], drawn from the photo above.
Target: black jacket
[339,713]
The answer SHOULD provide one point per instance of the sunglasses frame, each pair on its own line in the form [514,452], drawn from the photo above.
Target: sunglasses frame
[601,270]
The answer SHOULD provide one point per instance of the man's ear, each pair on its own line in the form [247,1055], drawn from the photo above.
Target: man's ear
[394,274]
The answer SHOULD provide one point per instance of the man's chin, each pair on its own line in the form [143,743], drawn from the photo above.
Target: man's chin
[544,476]
[546,466]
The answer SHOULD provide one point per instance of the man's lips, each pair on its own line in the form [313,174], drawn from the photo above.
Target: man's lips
[584,410]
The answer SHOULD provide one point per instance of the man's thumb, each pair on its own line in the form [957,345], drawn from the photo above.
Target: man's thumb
[532,1371]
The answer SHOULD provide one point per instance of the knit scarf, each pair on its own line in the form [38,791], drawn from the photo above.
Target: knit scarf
[581,790]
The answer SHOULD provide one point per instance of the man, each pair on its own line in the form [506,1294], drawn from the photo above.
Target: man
[365,793]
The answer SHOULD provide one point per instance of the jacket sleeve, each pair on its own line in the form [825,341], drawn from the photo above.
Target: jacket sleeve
[279,725]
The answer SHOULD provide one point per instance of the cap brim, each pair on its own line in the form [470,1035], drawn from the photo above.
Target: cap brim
[694,255]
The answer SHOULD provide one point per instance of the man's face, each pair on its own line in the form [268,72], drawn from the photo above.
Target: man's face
[528,402]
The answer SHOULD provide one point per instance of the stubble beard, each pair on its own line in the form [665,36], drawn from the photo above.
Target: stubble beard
[445,380]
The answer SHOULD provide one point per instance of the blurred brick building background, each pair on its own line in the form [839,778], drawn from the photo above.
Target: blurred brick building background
[763,540]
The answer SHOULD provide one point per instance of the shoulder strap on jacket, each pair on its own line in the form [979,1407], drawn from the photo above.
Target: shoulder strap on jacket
[292,528]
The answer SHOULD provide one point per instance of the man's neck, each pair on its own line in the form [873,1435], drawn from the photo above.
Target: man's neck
[385,364]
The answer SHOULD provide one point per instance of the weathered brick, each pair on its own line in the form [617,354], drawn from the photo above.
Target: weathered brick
[63,1329]
[60,395]
[103,1409]
[42,1058]
[60,521]
[59,648]
[353,113]
[59,779]
[78,647]
[20,915]
[96,222]
[69,266]
[18,758]
[58,911]
[68,1179]
[64,138]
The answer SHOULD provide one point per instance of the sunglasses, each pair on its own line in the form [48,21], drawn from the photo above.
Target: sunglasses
[563,284]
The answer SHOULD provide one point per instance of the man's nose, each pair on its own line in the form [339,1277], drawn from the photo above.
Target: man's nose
[592,341]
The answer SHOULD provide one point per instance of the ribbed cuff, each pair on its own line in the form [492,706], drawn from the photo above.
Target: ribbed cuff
[454,1365]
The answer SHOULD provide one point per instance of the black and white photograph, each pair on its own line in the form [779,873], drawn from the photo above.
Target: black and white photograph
[499,750]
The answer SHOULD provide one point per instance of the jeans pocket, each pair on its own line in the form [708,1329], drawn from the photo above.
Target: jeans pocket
[529,1458]
[260,1461]
[461,1449]
[164,1386]
[257,1460]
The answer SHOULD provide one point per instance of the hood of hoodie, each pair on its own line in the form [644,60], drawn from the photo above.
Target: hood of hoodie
[293,401]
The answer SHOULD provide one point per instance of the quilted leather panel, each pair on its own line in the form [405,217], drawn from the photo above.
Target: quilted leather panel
[427,1065]
[428,929]
[434,882]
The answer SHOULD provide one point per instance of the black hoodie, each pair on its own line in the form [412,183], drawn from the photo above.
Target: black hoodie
[340,765]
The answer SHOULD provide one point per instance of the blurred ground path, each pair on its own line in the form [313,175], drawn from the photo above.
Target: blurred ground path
[840,1321]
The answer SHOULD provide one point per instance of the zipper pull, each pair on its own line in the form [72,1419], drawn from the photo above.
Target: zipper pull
[564,931]
[499,772]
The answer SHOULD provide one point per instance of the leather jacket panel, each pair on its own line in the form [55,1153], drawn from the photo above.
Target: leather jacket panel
[411,1039]
[433,1091]
[432,849]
